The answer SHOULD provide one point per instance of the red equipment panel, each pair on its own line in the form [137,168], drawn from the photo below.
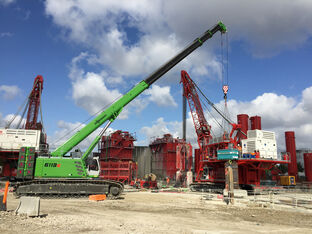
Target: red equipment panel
[291,148]
[118,145]
[243,119]
[255,122]
[167,155]
[308,166]
[124,171]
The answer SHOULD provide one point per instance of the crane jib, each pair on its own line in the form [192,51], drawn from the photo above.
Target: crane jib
[114,110]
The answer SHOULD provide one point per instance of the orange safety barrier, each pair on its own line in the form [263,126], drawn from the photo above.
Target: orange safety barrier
[98,197]
[6,192]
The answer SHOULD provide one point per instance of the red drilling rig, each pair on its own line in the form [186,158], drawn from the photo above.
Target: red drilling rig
[29,134]
[214,152]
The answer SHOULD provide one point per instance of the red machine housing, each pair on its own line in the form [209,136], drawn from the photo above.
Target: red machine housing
[291,149]
[116,162]
[243,120]
[308,166]
[170,155]
[255,122]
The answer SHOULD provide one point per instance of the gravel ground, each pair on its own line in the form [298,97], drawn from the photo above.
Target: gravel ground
[146,212]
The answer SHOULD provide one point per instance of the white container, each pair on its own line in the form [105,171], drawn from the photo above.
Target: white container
[14,139]
[261,134]
[267,148]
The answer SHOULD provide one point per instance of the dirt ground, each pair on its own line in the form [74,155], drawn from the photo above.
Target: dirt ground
[146,212]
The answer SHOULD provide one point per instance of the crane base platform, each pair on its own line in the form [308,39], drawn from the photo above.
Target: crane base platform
[68,187]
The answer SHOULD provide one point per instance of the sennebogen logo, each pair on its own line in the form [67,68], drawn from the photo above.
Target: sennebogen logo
[52,165]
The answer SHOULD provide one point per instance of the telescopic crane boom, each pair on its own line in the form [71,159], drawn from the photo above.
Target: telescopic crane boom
[111,113]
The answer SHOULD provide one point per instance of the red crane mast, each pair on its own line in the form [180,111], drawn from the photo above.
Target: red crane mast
[202,127]
[34,105]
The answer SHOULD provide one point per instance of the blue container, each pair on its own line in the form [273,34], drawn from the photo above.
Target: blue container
[227,154]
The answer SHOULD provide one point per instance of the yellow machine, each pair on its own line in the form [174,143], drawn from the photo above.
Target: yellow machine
[288,180]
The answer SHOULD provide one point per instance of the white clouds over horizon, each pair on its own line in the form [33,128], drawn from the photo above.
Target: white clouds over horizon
[278,112]
[91,91]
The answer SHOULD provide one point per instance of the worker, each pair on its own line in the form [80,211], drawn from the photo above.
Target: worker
[167,180]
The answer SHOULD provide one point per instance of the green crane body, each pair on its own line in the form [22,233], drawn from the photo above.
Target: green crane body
[60,166]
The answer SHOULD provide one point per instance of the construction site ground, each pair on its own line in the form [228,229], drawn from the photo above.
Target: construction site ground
[160,212]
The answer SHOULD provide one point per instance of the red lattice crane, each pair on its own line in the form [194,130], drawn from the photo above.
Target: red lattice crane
[34,105]
[202,127]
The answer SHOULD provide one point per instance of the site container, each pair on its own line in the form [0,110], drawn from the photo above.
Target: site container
[288,180]
[227,154]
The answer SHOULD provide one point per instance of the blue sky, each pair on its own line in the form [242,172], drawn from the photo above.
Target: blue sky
[91,52]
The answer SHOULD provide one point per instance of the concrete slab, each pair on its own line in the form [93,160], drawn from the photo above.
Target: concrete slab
[238,193]
[29,206]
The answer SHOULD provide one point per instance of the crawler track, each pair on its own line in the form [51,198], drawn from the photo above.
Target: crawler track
[68,187]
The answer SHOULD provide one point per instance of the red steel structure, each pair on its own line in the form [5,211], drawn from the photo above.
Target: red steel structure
[168,156]
[207,167]
[124,171]
[118,145]
[308,166]
[34,105]
[202,127]
[291,149]
[116,162]
[184,160]
[255,122]
[243,119]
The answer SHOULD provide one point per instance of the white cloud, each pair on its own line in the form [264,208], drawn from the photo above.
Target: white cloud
[135,37]
[6,34]
[278,112]
[104,27]
[161,96]
[8,118]
[9,92]
[266,27]
[6,2]
[92,92]
[159,128]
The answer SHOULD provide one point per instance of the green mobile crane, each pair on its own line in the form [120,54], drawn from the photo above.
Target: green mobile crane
[57,173]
